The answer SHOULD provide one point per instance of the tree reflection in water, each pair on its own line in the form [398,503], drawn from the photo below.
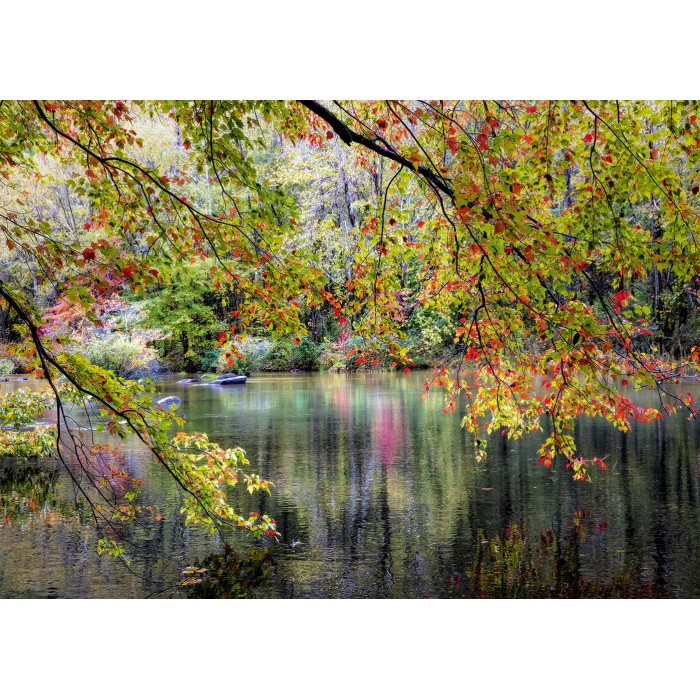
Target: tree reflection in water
[517,565]
[227,574]
[28,493]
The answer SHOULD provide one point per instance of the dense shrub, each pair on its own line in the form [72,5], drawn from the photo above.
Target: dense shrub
[262,355]
[13,360]
[127,356]
[331,360]
[305,356]
[278,357]
[254,350]
[210,360]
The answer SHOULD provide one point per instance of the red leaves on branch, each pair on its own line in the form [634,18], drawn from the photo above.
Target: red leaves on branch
[621,300]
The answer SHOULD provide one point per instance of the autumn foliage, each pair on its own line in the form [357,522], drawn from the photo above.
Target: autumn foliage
[550,237]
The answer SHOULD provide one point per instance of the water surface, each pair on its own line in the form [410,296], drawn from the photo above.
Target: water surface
[378,494]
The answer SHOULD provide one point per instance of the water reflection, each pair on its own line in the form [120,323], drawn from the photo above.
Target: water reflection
[548,565]
[227,574]
[378,494]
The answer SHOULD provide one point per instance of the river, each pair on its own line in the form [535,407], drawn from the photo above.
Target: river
[378,494]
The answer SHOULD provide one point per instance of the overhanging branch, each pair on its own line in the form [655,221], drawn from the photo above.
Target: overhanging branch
[348,136]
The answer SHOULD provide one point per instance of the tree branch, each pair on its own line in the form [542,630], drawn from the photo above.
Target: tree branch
[348,136]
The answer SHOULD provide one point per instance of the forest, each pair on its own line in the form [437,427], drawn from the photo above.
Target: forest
[535,260]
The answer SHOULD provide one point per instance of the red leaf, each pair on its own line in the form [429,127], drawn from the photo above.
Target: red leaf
[89,254]
[532,109]
[381,123]
[406,370]
[421,223]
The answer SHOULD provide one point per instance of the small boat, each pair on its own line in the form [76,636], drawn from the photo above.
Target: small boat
[224,381]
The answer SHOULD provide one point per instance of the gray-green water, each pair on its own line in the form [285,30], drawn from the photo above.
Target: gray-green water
[378,494]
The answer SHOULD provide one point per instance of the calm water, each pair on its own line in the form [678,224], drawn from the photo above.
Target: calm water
[377,494]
